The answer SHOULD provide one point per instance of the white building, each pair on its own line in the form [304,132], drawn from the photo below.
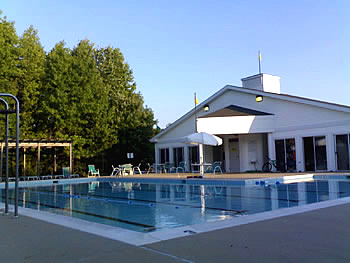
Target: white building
[300,134]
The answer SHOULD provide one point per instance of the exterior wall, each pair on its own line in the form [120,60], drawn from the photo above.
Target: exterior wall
[237,124]
[184,128]
[288,115]
[208,154]
[290,120]
[328,132]
[251,152]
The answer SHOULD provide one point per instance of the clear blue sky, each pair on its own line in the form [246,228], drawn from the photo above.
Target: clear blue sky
[178,47]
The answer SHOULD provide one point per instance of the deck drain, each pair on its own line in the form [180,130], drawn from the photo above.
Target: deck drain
[190,232]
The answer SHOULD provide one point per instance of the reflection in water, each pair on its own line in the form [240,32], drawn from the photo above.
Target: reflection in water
[145,207]
[202,199]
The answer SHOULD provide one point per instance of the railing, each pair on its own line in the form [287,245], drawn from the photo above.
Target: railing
[7,112]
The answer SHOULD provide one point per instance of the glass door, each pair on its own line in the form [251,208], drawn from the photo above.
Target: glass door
[178,155]
[315,153]
[321,153]
[194,156]
[285,154]
[342,151]
[280,155]
[164,155]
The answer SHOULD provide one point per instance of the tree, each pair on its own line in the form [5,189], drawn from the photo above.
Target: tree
[9,56]
[75,102]
[31,70]
[83,94]
[131,122]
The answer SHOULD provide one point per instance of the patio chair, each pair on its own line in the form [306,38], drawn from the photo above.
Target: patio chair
[116,171]
[181,167]
[137,168]
[168,167]
[92,171]
[151,168]
[216,166]
[46,177]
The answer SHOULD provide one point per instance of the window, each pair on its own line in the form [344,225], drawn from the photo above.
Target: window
[315,153]
[285,154]
[342,151]
[178,155]
[193,155]
[164,155]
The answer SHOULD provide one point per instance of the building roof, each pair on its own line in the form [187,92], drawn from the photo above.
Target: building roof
[234,110]
[285,97]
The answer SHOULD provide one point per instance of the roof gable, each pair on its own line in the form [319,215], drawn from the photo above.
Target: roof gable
[234,110]
[283,97]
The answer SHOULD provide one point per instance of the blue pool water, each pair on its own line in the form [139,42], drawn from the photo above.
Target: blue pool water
[148,206]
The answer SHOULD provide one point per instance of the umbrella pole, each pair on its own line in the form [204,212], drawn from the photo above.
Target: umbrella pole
[201,167]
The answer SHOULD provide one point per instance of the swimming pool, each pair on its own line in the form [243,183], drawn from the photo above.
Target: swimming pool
[146,205]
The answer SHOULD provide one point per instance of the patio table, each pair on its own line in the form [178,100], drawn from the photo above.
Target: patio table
[200,165]
[124,168]
[159,167]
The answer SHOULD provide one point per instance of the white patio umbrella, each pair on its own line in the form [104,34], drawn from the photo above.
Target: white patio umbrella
[201,138]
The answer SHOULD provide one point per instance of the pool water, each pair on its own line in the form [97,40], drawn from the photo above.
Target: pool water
[147,207]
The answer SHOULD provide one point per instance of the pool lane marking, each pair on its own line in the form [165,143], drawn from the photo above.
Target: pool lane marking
[131,201]
[145,226]
[238,212]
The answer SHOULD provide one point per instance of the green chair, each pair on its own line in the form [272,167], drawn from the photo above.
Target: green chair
[92,171]
[181,167]
[216,166]
[168,167]
[65,172]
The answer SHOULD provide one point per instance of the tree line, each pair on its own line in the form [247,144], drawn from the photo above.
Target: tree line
[85,94]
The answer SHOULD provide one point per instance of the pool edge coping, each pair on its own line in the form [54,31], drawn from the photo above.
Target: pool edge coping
[139,238]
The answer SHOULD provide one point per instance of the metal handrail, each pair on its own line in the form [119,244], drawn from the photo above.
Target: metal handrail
[17,149]
[7,160]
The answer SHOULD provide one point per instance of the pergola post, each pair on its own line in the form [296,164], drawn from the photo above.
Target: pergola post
[38,172]
[54,161]
[24,162]
[70,159]
[2,149]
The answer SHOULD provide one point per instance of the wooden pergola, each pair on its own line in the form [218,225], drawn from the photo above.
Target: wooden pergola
[41,143]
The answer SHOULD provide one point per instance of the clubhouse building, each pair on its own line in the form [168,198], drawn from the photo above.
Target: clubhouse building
[256,123]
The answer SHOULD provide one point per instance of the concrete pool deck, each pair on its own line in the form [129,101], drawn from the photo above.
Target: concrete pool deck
[321,235]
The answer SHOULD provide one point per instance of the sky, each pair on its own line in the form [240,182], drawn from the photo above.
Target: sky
[180,47]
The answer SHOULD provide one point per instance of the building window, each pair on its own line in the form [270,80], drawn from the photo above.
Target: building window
[285,154]
[164,155]
[315,153]
[178,156]
[342,151]
[193,156]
